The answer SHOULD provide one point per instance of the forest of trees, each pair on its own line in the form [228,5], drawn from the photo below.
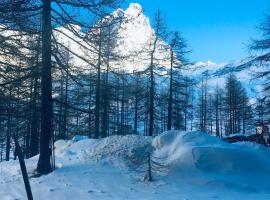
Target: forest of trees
[46,96]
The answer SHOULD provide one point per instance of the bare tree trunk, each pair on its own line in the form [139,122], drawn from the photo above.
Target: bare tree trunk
[106,103]
[151,103]
[217,114]
[136,113]
[169,126]
[44,163]
[65,108]
[34,122]
[97,107]
[8,136]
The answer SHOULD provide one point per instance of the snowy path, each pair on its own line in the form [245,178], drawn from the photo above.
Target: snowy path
[104,182]
[82,181]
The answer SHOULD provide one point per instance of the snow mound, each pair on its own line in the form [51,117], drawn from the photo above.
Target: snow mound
[110,148]
[175,145]
[205,159]
[182,138]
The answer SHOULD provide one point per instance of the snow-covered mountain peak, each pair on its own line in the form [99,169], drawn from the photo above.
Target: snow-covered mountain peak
[134,10]
[136,35]
[136,31]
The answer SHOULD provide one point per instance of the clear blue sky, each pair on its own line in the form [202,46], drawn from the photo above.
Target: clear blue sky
[216,30]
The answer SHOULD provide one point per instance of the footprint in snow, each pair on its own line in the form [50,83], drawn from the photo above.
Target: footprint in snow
[97,191]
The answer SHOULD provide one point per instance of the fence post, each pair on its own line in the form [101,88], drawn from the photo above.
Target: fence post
[149,168]
[23,168]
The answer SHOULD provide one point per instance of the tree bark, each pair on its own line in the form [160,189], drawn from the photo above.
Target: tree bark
[44,163]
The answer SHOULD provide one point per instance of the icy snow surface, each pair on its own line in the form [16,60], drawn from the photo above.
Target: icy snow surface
[199,167]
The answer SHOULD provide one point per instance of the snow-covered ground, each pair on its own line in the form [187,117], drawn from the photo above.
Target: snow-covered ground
[199,166]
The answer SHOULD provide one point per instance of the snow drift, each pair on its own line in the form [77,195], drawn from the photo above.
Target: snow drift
[113,149]
[203,159]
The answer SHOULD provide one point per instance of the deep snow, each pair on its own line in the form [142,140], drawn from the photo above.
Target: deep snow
[200,166]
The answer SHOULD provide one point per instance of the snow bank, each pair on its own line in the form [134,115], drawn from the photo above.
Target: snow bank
[110,149]
[204,159]
[61,145]
[177,145]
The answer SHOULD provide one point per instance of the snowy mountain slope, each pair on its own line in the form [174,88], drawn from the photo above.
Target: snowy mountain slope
[199,167]
[218,73]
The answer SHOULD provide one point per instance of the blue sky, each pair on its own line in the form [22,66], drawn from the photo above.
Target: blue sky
[216,30]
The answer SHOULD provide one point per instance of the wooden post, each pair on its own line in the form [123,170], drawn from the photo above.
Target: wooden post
[149,168]
[24,171]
